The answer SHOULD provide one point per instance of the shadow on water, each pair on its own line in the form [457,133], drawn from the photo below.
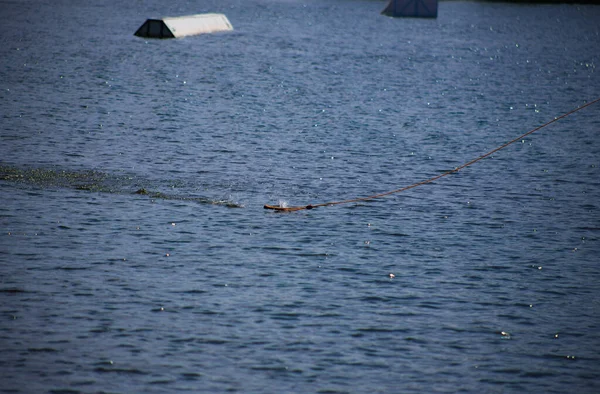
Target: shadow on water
[97,182]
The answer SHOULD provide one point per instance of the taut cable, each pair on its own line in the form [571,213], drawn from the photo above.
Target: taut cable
[435,178]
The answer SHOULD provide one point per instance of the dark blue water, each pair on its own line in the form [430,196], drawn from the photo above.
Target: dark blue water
[190,285]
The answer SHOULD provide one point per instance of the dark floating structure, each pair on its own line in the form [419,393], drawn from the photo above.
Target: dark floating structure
[175,27]
[413,8]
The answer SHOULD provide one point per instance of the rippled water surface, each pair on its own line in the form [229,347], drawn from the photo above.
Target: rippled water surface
[135,253]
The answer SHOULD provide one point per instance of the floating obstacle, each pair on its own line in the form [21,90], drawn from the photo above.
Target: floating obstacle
[287,209]
[414,8]
[181,26]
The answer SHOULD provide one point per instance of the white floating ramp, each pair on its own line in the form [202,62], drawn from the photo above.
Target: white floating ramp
[416,8]
[182,26]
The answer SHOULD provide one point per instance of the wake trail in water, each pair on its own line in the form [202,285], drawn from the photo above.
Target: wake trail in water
[98,182]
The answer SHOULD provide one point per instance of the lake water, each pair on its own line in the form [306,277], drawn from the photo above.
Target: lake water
[189,285]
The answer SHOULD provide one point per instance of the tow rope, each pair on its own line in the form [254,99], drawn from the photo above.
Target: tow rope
[430,180]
